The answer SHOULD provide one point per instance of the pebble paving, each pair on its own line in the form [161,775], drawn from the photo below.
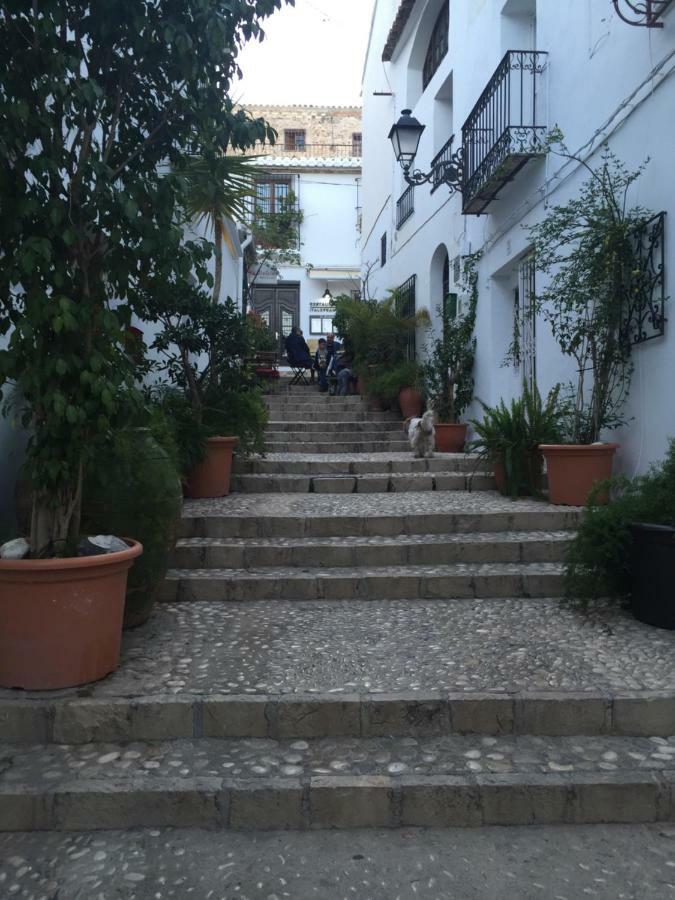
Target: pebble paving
[553,863]
[384,646]
[48,767]
[320,505]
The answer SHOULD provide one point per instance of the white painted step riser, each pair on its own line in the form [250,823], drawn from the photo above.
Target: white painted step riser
[376,526]
[327,556]
[364,587]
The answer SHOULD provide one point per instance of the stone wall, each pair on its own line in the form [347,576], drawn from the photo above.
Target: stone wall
[322,124]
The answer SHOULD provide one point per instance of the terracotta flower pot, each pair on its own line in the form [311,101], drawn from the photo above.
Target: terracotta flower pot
[211,478]
[450,437]
[573,469]
[411,402]
[61,619]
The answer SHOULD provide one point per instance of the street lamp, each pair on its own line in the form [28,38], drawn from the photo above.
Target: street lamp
[405,137]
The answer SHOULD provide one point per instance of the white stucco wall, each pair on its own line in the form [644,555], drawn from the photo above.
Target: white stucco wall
[606,83]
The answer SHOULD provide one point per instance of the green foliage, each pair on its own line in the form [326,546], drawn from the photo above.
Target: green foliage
[93,107]
[587,247]
[242,413]
[176,428]
[597,563]
[510,435]
[259,335]
[374,332]
[448,373]
[276,236]
[385,384]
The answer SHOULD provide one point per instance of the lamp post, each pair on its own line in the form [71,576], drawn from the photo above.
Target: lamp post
[405,137]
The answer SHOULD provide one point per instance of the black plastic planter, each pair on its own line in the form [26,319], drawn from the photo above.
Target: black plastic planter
[653,574]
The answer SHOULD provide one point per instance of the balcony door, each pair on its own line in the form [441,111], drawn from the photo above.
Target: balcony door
[527,314]
[279,307]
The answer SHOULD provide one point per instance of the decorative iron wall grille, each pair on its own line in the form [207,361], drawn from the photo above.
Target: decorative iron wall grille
[439,163]
[505,127]
[646,304]
[405,205]
[645,13]
[405,304]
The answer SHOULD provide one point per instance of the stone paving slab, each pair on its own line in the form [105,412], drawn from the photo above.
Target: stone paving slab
[605,862]
[457,581]
[384,647]
[434,549]
[359,484]
[450,781]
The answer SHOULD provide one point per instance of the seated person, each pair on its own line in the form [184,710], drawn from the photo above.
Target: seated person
[341,367]
[297,351]
[321,363]
[332,345]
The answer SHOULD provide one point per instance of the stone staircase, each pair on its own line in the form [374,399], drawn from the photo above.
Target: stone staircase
[354,639]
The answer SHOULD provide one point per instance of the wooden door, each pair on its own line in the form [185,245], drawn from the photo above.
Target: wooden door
[279,307]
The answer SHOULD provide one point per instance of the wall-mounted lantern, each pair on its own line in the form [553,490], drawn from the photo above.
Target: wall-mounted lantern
[405,137]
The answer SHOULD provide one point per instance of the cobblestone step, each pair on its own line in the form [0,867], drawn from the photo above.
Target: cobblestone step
[354,464]
[334,433]
[360,446]
[370,515]
[450,781]
[518,863]
[333,425]
[322,414]
[424,549]
[444,582]
[372,483]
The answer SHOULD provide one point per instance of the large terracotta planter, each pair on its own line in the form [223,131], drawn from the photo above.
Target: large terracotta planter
[450,437]
[573,469]
[61,619]
[211,478]
[410,402]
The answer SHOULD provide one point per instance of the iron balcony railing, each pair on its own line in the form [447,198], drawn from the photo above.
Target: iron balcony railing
[309,150]
[405,205]
[505,129]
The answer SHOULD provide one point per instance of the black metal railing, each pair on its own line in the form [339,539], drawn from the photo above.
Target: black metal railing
[405,205]
[505,128]
[438,164]
[645,314]
[406,307]
[308,150]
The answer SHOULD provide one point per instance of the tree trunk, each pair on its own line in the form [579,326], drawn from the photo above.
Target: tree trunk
[55,530]
[218,279]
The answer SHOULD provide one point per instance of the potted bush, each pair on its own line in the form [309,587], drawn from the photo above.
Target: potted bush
[86,215]
[397,385]
[626,548]
[508,438]
[588,248]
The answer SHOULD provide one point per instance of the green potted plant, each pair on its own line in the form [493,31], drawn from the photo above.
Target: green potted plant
[508,439]
[85,218]
[625,548]
[587,247]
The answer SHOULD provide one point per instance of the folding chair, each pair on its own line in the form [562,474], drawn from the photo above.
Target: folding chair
[299,376]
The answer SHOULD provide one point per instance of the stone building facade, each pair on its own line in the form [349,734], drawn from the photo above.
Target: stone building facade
[320,126]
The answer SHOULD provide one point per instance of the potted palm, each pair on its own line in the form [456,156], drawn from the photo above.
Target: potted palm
[588,248]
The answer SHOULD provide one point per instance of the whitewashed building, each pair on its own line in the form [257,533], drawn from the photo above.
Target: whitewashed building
[492,77]
[316,161]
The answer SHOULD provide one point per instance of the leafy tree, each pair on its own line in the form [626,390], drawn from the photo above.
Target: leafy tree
[96,101]
[276,236]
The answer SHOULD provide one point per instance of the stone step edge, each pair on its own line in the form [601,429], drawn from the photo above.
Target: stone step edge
[335,801]
[408,540]
[373,482]
[78,720]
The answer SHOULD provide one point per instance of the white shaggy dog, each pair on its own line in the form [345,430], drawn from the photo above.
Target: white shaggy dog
[422,434]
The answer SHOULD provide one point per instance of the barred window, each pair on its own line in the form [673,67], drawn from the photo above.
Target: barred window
[438,45]
[295,139]
[357,144]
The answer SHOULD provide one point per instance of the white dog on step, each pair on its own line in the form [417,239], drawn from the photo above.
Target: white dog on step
[422,434]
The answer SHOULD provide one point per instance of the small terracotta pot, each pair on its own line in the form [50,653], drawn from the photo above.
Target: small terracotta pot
[410,402]
[61,619]
[573,469]
[211,478]
[450,437]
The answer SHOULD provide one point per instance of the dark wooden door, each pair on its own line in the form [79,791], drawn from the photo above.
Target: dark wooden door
[279,307]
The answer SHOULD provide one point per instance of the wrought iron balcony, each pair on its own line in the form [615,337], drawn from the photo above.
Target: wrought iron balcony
[313,151]
[405,206]
[505,129]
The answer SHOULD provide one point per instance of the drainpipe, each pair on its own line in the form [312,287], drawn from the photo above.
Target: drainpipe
[243,280]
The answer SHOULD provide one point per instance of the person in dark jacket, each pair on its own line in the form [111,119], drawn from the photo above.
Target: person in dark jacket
[321,363]
[297,351]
